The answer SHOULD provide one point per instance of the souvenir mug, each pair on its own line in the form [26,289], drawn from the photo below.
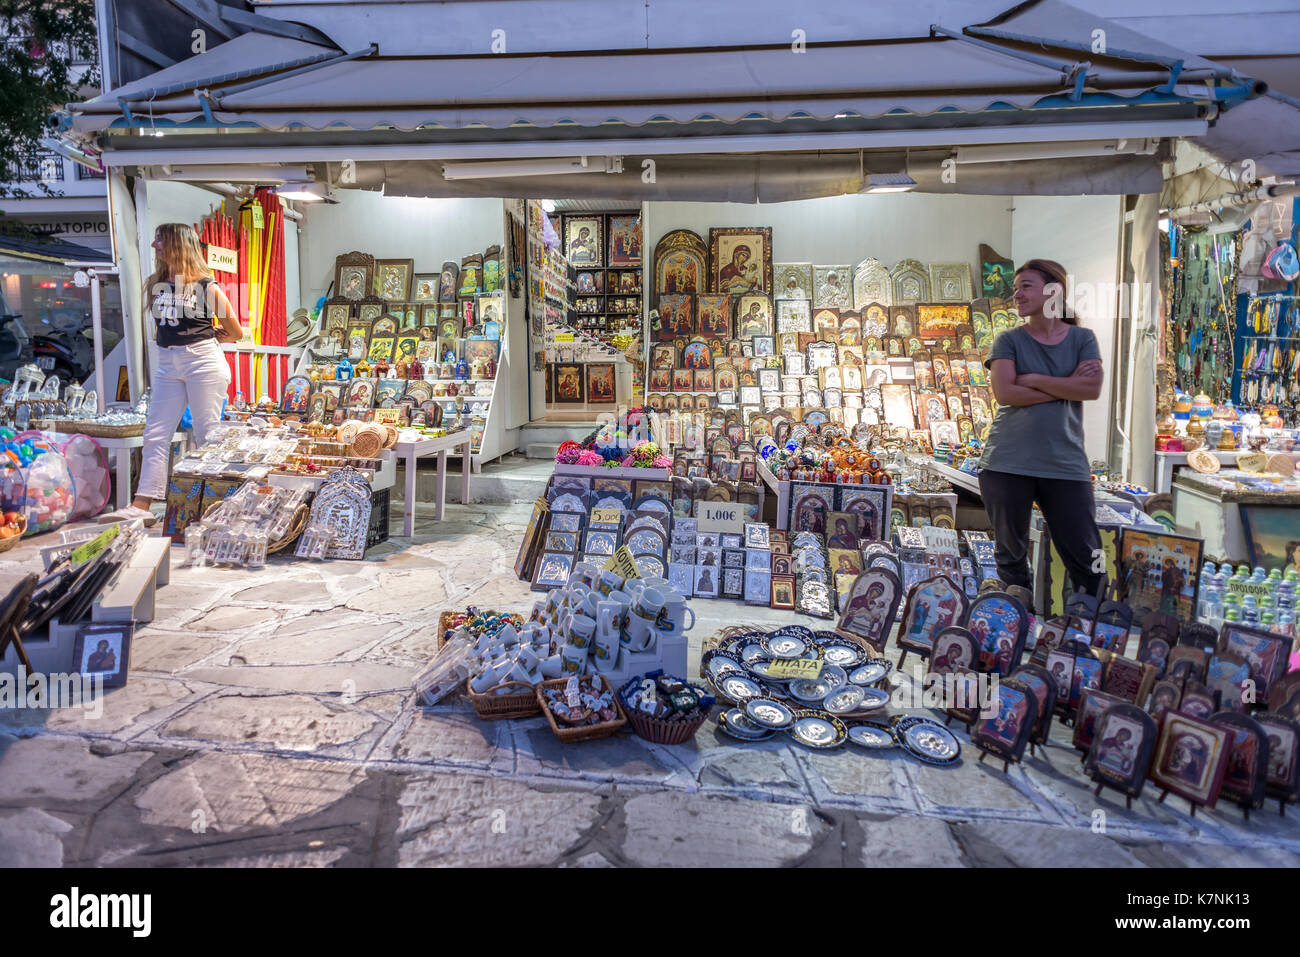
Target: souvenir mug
[527,657]
[582,630]
[588,605]
[672,617]
[552,666]
[610,581]
[609,619]
[574,660]
[586,573]
[607,651]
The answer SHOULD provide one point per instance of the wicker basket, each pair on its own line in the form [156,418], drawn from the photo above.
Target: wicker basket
[296,525]
[13,540]
[589,732]
[97,431]
[502,707]
[659,731]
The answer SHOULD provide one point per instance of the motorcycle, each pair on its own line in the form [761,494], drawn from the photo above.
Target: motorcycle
[15,346]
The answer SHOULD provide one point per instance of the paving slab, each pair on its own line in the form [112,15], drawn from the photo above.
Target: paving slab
[908,841]
[30,837]
[288,591]
[1021,844]
[308,642]
[401,593]
[57,772]
[167,651]
[851,772]
[672,829]
[448,737]
[467,820]
[606,759]
[290,722]
[236,619]
[346,678]
[751,770]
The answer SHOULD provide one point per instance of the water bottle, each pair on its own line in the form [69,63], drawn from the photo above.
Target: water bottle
[1286,623]
[1249,610]
[1232,614]
[1267,621]
[1257,576]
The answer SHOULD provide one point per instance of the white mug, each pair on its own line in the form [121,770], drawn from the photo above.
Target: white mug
[526,657]
[648,604]
[609,581]
[573,660]
[638,635]
[484,682]
[582,631]
[585,573]
[552,666]
[624,602]
[672,617]
[609,619]
[608,653]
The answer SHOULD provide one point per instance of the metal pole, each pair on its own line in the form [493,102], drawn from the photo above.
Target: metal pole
[97,325]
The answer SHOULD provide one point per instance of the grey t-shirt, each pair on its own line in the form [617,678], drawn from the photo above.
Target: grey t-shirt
[1044,440]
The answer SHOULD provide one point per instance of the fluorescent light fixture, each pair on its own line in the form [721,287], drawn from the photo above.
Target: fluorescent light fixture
[548,205]
[306,192]
[493,169]
[1018,152]
[236,173]
[887,183]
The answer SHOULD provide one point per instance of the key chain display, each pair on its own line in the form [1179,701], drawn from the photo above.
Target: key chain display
[1203,323]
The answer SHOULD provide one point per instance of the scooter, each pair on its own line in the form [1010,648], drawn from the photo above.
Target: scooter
[64,351]
[15,346]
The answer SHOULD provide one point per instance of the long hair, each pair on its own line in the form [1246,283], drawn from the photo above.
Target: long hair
[181,256]
[1052,272]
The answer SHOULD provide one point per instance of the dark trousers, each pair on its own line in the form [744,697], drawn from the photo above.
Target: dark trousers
[1068,509]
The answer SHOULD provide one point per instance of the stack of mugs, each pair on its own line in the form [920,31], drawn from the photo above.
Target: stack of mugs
[511,655]
[613,626]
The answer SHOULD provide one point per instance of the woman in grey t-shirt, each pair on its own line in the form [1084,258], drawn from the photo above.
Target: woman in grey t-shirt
[1042,372]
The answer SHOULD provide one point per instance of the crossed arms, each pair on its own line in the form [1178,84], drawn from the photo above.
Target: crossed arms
[1031,389]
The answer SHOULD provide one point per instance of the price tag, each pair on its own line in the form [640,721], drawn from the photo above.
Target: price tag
[606,516]
[84,553]
[221,259]
[794,668]
[564,338]
[258,221]
[623,564]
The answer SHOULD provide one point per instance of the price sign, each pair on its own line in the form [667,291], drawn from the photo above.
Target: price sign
[795,668]
[606,516]
[720,516]
[258,220]
[623,564]
[86,552]
[564,338]
[221,259]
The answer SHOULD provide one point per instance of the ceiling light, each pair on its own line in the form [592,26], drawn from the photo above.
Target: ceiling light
[493,169]
[306,192]
[887,183]
[548,205]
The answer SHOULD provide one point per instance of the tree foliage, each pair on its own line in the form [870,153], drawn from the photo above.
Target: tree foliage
[39,42]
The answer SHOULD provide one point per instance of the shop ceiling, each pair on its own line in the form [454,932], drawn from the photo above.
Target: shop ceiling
[369,104]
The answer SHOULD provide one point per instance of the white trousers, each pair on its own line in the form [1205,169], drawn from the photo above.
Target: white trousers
[194,376]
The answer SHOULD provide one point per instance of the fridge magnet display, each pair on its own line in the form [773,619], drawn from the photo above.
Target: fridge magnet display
[1123,741]
[740,260]
[1190,760]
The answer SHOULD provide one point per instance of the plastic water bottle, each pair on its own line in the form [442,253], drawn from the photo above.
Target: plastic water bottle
[1232,614]
[1249,610]
[1257,576]
[1286,623]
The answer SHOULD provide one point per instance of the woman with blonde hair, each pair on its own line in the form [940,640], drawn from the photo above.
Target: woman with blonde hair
[1042,372]
[191,316]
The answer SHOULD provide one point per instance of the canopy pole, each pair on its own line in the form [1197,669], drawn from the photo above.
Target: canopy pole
[97,328]
[123,211]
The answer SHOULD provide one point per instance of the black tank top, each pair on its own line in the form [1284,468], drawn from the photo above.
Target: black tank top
[182,320]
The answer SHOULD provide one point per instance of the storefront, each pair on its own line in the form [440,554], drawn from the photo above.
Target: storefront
[800,285]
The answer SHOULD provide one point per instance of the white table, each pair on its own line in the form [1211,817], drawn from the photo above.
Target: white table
[422,448]
[1166,462]
[122,449]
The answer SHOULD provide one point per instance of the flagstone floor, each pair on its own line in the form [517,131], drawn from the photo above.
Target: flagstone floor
[269,720]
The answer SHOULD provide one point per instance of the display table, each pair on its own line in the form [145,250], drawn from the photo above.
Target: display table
[959,479]
[422,448]
[1166,462]
[1206,511]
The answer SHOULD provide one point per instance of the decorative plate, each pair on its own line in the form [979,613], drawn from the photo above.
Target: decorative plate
[878,737]
[737,686]
[818,730]
[648,503]
[873,671]
[785,646]
[769,713]
[834,676]
[735,723]
[873,699]
[811,690]
[844,699]
[929,742]
[719,664]
[617,500]
[841,653]
[759,666]
[751,650]
[651,565]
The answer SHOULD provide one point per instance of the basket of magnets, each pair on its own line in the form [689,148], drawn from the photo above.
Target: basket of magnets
[664,710]
[12,530]
[474,623]
[597,713]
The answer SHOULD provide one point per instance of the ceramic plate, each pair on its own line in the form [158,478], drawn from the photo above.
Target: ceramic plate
[785,646]
[769,713]
[810,690]
[734,723]
[843,654]
[651,565]
[872,699]
[720,664]
[878,737]
[834,676]
[872,672]
[844,700]
[929,742]
[817,729]
[752,650]
[738,687]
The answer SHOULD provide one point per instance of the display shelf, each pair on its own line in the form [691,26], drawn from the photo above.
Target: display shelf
[962,480]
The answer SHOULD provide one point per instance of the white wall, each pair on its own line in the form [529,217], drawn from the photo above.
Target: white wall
[848,229]
[1083,234]
[430,231]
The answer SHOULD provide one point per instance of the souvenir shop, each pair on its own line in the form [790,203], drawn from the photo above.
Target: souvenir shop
[792,402]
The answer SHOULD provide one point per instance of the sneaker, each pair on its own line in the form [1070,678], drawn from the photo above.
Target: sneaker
[129,514]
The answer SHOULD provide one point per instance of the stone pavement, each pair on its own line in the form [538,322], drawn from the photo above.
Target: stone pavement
[269,720]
